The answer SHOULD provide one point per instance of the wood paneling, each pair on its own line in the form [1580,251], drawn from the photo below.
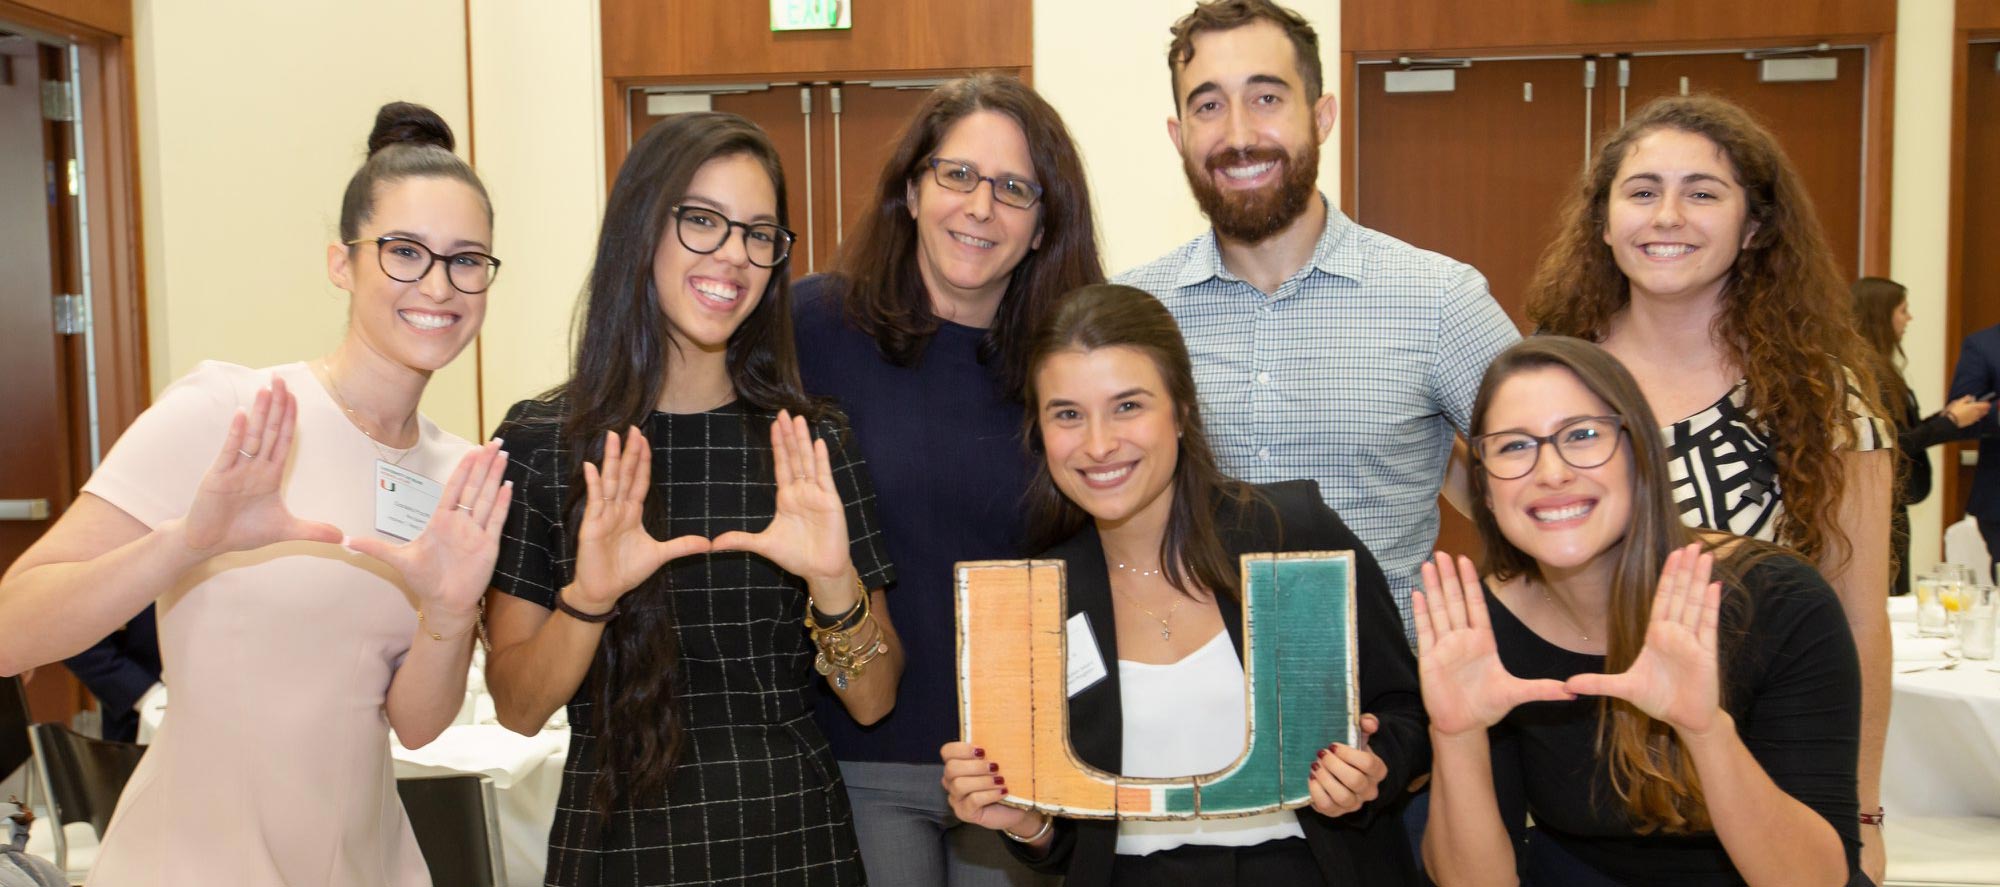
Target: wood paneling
[1978,15]
[1437,25]
[726,38]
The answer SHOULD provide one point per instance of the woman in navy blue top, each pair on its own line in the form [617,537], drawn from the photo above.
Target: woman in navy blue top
[982,221]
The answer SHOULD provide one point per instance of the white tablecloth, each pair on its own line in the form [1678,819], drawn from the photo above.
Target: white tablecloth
[1942,757]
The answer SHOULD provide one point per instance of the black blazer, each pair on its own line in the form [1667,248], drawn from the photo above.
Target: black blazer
[1978,374]
[119,670]
[1359,848]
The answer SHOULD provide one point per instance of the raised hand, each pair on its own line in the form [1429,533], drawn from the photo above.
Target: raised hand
[614,552]
[974,787]
[450,564]
[808,535]
[239,505]
[1465,686]
[1675,677]
[1346,776]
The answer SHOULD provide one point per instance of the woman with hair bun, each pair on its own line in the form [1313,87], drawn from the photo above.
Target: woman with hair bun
[255,506]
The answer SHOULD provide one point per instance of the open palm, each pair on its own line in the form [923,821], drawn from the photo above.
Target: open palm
[450,564]
[1675,676]
[240,504]
[1465,686]
[808,535]
[614,550]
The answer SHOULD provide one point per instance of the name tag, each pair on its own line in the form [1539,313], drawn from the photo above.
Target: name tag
[1086,664]
[404,501]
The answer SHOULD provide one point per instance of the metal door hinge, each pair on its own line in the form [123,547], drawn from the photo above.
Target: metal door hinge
[58,101]
[72,315]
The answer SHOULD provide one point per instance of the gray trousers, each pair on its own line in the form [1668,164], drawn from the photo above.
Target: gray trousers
[909,838]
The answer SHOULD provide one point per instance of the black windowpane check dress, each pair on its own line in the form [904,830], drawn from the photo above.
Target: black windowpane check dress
[756,798]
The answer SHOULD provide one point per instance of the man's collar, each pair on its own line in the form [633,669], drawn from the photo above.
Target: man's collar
[1204,262]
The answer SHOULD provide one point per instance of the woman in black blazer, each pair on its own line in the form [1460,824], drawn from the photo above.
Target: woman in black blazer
[1127,493]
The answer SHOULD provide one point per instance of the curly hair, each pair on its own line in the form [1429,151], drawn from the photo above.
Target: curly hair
[1783,309]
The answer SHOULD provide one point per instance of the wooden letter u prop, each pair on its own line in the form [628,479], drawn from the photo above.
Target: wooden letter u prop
[1013,699]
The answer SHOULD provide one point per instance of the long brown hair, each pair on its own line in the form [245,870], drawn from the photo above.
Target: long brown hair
[886,297]
[620,373]
[1783,310]
[1875,302]
[1650,770]
[1115,316]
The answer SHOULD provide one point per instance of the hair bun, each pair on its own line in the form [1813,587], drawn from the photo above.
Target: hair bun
[407,123]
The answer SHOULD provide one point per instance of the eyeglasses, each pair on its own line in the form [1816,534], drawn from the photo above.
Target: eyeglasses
[704,231]
[1582,443]
[408,261]
[963,177]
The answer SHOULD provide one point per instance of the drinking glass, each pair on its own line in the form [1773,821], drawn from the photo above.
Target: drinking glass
[1976,622]
[1932,621]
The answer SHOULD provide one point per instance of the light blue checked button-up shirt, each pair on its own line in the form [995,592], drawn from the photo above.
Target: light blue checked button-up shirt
[1355,374]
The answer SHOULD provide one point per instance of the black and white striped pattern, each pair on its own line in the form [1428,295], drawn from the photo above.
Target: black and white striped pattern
[1354,374]
[756,798]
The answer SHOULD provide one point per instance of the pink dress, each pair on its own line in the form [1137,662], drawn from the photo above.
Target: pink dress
[272,765]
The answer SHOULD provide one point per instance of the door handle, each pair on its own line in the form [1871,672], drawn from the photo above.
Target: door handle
[24,509]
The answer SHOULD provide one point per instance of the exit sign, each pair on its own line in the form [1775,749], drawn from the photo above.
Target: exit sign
[811,15]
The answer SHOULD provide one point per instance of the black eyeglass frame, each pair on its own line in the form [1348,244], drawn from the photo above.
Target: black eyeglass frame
[1618,430]
[679,212]
[434,257]
[977,178]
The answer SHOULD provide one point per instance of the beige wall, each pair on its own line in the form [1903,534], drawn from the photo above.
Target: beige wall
[1103,66]
[1918,217]
[252,115]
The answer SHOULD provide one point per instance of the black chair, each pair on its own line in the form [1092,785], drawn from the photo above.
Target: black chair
[84,778]
[15,746]
[457,828]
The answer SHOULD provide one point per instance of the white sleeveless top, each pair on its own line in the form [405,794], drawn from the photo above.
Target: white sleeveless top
[1186,719]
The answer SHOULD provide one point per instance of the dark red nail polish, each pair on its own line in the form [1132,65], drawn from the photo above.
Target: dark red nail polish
[999,780]
[992,768]
[979,752]
[1315,765]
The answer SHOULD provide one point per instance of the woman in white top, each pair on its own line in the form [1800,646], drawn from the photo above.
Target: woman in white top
[248,504]
[1128,495]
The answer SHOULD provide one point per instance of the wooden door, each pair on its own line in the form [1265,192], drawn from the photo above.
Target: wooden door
[1820,124]
[1979,228]
[37,455]
[871,119]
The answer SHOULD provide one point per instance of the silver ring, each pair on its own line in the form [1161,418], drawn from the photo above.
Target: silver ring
[463,507]
[247,455]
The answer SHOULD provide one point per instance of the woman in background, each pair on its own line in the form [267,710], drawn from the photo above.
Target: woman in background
[1692,254]
[1882,313]
[229,500]
[982,222]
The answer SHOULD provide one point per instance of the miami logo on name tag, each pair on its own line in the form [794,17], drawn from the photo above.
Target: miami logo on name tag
[1014,673]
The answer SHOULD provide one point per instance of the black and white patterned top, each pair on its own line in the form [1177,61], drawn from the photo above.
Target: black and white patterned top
[755,798]
[1723,474]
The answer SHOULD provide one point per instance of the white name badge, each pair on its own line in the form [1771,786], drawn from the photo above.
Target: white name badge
[1086,664]
[404,501]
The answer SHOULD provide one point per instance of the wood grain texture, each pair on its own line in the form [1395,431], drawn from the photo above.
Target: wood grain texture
[729,38]
[1978,15]
[72,18]
[1443,25]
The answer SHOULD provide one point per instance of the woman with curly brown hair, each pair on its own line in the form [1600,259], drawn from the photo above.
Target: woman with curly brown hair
[1693,255]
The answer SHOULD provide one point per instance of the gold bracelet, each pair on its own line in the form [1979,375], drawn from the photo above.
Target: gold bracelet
[1048,822]
[478,625]
[840,657]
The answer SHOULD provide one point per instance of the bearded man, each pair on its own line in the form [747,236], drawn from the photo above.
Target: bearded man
[1322,349]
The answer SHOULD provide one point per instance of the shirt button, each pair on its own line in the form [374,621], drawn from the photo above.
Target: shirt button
[1263,452]
[1263,378]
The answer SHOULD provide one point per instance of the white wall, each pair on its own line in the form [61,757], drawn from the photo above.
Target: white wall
[1920,192]
[1103,65]
[252,116]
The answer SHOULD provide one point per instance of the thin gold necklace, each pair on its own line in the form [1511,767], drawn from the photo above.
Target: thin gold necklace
[1166,630]
[353,418]
[1568,616]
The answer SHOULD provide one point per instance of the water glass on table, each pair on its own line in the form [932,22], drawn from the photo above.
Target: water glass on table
[1977,620]
[1932,620]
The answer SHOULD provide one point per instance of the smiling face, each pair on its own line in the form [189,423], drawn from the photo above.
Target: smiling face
[420,326]
[1110,432]
[969,244]
[1248,134]
[1677,217]
[1566,518]
[706,297]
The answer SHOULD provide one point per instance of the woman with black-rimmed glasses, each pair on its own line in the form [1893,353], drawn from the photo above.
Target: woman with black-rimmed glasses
[1658,727]
[693,545]
[243,502]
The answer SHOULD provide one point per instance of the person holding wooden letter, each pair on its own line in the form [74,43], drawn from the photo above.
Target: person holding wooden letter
[1129,496]
[1659,727]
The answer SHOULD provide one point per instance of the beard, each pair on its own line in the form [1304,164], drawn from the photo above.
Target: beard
[1253,216]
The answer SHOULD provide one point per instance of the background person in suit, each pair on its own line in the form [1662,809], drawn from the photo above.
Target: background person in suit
[1128,494]
[119,670]
[1977,376]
